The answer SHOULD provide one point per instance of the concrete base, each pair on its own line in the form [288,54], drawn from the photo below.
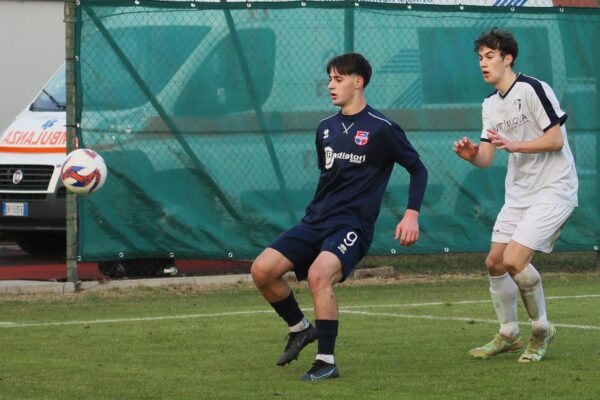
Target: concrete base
[35,287]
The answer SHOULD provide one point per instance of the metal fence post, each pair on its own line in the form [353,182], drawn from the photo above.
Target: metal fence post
[71,217]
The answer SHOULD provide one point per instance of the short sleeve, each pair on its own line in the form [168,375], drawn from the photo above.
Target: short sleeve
[543,106]
[486,124]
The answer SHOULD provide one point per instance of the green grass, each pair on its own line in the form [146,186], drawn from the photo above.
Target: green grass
[460,263]
[386,352]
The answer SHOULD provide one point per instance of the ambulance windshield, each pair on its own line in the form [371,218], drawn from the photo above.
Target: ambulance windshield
[54,96]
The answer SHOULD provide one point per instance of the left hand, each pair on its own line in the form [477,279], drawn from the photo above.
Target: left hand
[407,231]
[501,142]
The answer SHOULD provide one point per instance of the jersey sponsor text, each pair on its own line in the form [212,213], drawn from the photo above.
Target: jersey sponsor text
[331,156]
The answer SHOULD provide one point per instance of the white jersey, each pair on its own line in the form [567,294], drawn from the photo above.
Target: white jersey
[525,112]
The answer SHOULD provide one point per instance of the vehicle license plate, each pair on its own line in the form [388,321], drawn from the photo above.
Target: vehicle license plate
[14,209]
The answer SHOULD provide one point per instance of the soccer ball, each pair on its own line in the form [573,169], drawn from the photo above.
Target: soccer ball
[83,171]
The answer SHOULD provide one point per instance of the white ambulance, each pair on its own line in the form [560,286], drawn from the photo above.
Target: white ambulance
[32,149]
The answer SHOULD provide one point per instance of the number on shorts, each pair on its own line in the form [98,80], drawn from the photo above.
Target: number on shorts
[350,238]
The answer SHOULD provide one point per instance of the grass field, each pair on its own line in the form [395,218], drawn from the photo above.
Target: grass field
[399,339]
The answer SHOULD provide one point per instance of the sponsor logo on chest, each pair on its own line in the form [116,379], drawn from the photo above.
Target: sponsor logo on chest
[331,156]
[514,118]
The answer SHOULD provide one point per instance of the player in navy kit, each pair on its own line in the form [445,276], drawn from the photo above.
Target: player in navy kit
[357,149]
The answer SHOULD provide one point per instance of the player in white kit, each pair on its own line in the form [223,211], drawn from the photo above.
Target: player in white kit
[522,117]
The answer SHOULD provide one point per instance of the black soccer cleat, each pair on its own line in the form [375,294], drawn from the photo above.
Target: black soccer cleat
[319,371]
[296,342]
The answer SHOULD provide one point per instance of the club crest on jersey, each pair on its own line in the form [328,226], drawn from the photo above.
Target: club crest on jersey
[361,138]
[517,104]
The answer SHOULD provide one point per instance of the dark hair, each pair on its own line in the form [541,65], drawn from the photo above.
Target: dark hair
[498,39]
[351,63]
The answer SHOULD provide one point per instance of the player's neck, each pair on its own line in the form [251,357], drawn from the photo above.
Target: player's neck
[355,106]
[506,82]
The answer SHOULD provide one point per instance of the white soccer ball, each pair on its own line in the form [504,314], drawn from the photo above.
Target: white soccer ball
[83,172]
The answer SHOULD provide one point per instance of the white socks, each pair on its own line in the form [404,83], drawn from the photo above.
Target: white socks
[300,326]
[328,358]
[532,293]
[504,292]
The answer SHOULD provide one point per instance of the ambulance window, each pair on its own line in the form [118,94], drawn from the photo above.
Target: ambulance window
[54,96]
[219,85]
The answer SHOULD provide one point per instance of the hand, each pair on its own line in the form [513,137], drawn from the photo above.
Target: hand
[407,231]
[501,142]
[465,149]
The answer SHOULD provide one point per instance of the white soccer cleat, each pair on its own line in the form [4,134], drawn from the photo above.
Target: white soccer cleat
[500,344]
[538,347]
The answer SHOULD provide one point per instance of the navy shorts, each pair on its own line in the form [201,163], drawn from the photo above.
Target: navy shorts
[303,243]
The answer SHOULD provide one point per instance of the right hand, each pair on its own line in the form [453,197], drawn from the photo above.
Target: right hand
[465,149]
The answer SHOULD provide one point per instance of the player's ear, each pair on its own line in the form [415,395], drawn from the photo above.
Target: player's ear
[359,82]
[508,59]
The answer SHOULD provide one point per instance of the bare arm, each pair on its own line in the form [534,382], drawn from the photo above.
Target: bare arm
[481,155]
[552,140]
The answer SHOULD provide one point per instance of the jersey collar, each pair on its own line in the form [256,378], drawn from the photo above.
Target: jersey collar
[354,116]
[511,86]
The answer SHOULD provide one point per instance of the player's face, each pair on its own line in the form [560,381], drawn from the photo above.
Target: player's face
[342,88]
[494,66]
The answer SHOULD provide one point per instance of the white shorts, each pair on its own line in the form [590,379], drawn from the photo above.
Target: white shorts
[536,227]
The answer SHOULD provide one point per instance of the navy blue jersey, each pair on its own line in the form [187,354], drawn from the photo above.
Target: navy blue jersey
[356,156]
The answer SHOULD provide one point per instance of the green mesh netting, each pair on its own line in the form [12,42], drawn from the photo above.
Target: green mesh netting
[205,114]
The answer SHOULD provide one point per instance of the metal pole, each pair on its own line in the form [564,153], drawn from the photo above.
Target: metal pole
[71,216]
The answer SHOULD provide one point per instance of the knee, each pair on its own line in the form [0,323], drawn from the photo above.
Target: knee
[261,272]
[494,265]
[512,264]
[317,279]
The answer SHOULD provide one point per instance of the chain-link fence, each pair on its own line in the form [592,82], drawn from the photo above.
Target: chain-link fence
[206,113]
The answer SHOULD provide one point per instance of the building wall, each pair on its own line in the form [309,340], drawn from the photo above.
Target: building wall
[32,47]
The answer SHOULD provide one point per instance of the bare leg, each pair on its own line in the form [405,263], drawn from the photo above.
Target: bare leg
[325,272]
[267,272]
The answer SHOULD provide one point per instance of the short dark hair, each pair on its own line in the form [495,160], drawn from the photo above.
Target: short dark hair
[498,39]
[351,63]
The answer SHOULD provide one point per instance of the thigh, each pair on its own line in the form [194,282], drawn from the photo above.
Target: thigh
[349,246]
[300,245]
[272,263]
[540,226]
[517,256]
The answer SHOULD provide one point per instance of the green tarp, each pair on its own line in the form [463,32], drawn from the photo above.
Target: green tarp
[206,116]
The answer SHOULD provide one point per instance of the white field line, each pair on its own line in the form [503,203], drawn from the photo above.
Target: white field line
[345,310]
[137,319]
[447,303]
[464,319]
